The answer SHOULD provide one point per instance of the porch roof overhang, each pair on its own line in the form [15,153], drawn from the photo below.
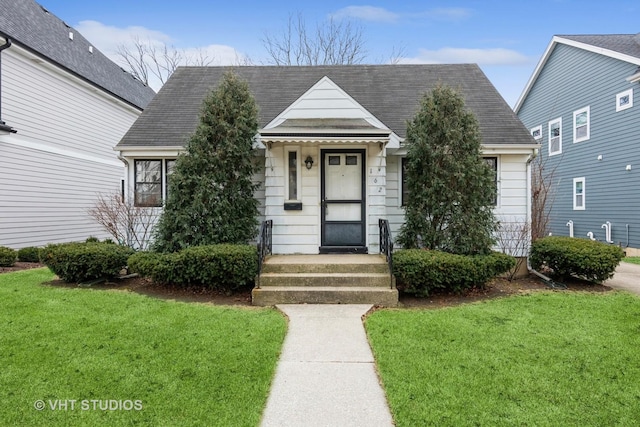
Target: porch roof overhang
[309,131]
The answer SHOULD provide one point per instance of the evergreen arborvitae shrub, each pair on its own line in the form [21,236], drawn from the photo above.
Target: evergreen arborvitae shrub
[451,188]
[571,256]
[211,192]
[29,254]
[8,256]
[82,262]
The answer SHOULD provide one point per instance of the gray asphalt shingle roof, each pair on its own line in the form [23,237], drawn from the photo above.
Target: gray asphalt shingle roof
[390,92]
[31,26]
[628,44]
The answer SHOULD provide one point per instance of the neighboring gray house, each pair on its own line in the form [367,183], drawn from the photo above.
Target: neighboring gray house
[583,104]
[331,140]
[63,106]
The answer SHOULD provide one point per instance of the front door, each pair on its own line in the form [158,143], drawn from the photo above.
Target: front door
[343,201]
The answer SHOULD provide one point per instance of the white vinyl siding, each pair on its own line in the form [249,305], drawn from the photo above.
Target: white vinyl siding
[579,194]
[555,136]
[62,156]
[582,124]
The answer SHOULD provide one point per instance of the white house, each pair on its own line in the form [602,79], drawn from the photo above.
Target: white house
[332,142]
[63,106]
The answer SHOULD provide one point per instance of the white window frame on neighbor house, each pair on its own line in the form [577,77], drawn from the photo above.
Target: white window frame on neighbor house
[536,132]
[552,122]
[579,206]
[627,94]
[586,111]
[288,185]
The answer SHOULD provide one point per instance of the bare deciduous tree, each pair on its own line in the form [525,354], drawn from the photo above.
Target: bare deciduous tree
[514,238]
[542,196]
[335,42]
[128,224]
[146,60]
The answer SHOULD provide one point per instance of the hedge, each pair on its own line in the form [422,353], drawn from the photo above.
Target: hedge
[569,256]
[82,262]
[29,254]
[223,267]
[420,271]
[7,256]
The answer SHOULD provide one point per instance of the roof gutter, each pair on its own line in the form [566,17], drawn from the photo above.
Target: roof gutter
[4,129]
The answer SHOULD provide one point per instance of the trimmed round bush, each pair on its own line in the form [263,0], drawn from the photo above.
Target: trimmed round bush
[29,254]
[420,271]
[144,263]
[81,262]
[8,256]
[569,256]
[223,267]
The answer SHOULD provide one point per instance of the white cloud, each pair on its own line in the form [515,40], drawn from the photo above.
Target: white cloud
[451,14]
[367,13]
[108,38]
[451,55]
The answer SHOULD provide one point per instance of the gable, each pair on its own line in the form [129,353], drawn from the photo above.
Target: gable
[33,28]
[326,100]
[622,47]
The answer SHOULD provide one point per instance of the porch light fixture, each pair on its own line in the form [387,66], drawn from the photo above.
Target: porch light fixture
[308,162]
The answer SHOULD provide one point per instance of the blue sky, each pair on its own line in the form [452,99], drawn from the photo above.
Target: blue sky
[506,38]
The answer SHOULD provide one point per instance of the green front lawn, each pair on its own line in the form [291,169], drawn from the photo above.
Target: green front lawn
[183,364]
[549,358]
[632,259]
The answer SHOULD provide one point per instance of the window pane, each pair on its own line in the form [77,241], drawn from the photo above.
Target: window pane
[405,189]
[148,186]
[351,160]
[555,129]
[169,165]
[581,132]
[581,119]
[334,160]
[293,175]
[492,162]
[578,200]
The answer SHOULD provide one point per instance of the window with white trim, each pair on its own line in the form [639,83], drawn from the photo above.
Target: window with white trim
[492,162]
[582,124]
[555,136]
[624,100]
[579,193]
[151,181]
[404,193]
[292,173]
[536,132]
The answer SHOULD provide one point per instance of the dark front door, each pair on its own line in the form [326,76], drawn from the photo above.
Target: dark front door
[343,201]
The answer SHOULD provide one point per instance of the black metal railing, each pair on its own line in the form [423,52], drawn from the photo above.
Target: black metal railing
[386,244]
[264,244]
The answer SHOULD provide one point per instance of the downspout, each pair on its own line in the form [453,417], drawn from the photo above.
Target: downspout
[547,280]
[126,181]
[3,125]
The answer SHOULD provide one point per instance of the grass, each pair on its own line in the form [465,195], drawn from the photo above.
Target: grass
[632,259]
[544,359]
[186,364]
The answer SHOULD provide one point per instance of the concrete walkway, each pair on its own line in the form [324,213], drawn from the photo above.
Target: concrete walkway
[627,277]
[326,374]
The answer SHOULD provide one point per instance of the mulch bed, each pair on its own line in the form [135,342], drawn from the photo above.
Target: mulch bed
[497,288]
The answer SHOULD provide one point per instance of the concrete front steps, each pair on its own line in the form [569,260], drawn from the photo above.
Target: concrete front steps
[325,279]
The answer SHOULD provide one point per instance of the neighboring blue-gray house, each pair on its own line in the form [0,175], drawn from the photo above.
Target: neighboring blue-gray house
[583,104]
